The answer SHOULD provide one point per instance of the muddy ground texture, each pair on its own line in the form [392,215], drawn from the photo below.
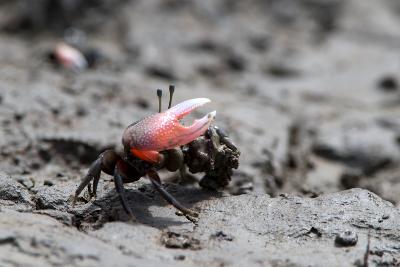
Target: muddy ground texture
[308,90]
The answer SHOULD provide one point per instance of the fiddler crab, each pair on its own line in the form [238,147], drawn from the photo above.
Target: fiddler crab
[160,141]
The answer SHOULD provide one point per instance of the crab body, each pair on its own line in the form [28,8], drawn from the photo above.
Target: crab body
[153,143]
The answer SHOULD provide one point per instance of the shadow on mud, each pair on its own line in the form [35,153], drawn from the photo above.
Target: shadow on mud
[107,207]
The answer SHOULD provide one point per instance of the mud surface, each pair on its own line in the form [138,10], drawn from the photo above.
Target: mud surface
[308,90]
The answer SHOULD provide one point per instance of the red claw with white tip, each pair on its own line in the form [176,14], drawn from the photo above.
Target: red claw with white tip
[157,141]
[163,131]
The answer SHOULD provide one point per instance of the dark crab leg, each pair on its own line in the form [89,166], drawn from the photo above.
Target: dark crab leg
[105,162]
[110,162]
[95,184]
[93,173]
[155,180]
[119,178]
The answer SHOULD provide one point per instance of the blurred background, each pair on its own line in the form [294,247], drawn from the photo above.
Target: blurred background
[307,89]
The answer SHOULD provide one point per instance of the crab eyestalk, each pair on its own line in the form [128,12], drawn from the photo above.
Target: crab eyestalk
[159,95]
[171,94]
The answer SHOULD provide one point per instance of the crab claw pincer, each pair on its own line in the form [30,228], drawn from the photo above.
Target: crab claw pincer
[163,131]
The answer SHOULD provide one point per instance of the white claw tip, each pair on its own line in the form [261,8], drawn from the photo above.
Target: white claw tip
[185,107]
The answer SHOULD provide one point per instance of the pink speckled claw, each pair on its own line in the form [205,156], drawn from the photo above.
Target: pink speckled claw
[162,131]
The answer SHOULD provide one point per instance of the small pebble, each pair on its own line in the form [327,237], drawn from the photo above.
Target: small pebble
[48,183]
[346,239]
[81,111]
[159,72]
[259,43]
[7,237]
[388,84]
[143,103]
[18,117]
[28,183]
[179,257]
[219,235]
[235,63]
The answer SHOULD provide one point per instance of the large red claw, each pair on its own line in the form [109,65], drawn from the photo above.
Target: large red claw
[162,131]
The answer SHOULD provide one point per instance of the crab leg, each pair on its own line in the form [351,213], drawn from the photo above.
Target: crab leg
[119,186]
[93,173]
[106,163]
[155,180]
[95,184]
